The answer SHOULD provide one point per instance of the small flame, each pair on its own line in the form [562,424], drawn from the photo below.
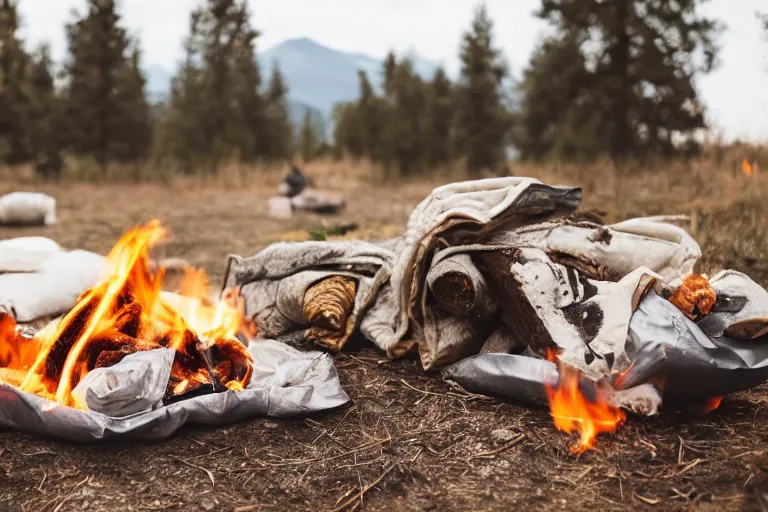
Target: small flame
[572,412]
[746,167]
[712,404]
[125,313]
[695,297]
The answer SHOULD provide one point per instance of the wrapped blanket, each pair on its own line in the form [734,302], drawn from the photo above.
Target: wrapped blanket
[496,263]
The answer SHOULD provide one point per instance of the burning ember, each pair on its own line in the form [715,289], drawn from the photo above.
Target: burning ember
[695,297]
[713,403]
[746,167]
[573,412]
[127,313]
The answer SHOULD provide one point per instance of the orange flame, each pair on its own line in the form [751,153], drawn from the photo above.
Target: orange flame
[572,412]
[126,313]
[695,297]
[746,167]
[713,403]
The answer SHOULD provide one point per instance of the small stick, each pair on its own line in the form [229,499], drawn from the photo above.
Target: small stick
[519,439]
[686,468]
[41,452]
[62,502]
[207,472]
[649,501]
[212,452]
[40,487]
[367,488]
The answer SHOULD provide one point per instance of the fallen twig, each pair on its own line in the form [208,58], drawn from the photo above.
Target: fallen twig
[649,501]
[514,442]
[466,395]
[41,452]
[364,490]
[688,467]
[211,452]
[207,472]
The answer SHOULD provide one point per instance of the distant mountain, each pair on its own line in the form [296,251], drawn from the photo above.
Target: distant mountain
[318,77]
[321,76]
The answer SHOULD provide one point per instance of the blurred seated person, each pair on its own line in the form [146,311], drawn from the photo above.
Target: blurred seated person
[293,184]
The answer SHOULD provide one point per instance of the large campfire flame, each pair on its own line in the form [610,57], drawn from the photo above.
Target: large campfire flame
[127,313]
[573,412]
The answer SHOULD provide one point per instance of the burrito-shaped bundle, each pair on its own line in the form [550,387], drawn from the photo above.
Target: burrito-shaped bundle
[317,288]
[459,311]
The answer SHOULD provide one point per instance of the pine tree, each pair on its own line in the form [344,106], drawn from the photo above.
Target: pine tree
[558,117]
[103,88]
[390,66]
[280,132]
[308,140]
[134,122]
[642,61]
[401,143]
[439,120]
[14,102]
[482,119]
[348,137]
[181,136]
[217,110]
[248,98]
[371,111]
[44,120]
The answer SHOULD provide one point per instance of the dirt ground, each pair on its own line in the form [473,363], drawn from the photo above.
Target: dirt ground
[408,440]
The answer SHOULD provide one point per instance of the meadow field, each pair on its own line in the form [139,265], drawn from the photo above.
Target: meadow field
[408,440]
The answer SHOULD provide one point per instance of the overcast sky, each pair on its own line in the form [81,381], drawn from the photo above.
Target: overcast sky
[736,94]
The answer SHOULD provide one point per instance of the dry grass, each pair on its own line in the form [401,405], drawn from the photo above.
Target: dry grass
[408,441]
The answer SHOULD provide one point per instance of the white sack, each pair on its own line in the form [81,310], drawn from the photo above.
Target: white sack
[26,254]
[54,288]
[27,208]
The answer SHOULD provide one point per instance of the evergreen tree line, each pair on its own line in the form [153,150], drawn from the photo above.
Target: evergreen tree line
[413,124]
[612,77]
[95,107]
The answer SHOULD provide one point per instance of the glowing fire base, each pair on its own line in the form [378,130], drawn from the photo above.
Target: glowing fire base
[129,359]
[285,383]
